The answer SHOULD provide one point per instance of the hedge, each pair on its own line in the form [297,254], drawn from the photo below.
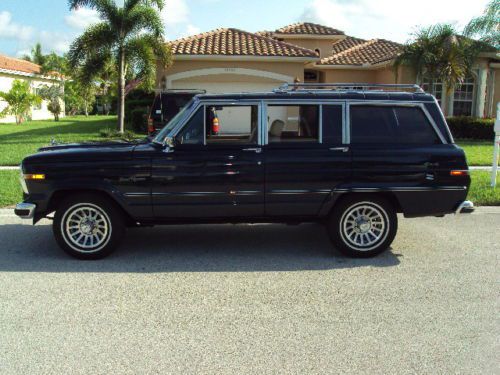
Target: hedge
[471,128]
[138,119]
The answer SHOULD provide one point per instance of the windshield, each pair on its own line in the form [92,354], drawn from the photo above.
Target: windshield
[160,137]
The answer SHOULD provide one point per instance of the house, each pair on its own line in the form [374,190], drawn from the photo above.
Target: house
[12,69]
[232,60]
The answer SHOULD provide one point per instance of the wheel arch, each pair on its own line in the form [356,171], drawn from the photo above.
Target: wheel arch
[330,205]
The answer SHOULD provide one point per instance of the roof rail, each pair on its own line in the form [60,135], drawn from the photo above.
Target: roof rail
[347,87]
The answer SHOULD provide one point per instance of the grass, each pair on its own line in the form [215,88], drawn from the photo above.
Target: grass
[18,141]
[480,192]
[10,188]
[478,152]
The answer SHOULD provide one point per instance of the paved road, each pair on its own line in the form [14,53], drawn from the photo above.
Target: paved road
[252,299]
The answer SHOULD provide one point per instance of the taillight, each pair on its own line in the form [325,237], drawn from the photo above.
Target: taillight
[458,173]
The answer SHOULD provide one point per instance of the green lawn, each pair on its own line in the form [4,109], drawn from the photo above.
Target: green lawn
[478,152]
[480,192]
[18,141]
[10,188]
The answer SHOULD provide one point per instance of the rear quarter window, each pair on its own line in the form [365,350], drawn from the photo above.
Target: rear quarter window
[372,124]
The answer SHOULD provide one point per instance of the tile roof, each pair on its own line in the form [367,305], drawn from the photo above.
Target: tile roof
[10,63]
[353,51]
[234,42]
[308,28]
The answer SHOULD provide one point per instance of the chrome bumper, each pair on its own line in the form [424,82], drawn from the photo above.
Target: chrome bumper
[466,207]
[25,210]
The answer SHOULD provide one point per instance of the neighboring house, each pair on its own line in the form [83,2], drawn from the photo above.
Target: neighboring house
[232,60]
[12,69]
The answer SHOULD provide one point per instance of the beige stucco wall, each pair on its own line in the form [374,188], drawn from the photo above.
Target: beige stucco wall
[324,45]
[41,113]
[381,75]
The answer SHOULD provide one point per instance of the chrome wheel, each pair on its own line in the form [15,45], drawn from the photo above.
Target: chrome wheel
[364,226]
[86,227]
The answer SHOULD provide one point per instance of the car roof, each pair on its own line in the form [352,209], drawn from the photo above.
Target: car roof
[324,94]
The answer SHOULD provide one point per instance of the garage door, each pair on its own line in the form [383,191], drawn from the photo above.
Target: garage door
[227,87]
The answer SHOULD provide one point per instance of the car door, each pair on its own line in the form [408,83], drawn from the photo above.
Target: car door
[212,173]
[306,156]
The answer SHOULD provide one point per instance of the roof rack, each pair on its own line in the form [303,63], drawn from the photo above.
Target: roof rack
[347,87]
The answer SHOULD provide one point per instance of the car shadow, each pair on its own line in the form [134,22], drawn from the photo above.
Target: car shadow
[188,248]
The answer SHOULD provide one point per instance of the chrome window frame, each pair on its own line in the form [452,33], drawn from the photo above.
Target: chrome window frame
[223,102]
[395,103]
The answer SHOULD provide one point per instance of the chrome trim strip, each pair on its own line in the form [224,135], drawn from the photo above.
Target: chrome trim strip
[403,189]
[209,193]
[320,130]
[295,192]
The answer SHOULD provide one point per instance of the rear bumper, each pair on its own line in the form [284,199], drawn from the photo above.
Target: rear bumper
[466,207]
[25,210]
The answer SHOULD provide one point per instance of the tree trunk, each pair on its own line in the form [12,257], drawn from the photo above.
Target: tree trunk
[86,108]
[121,92]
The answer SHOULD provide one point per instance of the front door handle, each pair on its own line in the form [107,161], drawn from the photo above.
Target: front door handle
[343,149]
[257,150]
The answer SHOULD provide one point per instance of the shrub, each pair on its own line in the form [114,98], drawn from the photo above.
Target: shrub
[131,105]
[471,128]
[138,120]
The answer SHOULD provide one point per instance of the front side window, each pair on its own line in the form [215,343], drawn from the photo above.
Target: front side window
[292,123]
[221,124]
[372,124]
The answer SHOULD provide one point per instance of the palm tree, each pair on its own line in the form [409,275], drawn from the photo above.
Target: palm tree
[440,54]
[487,26]
[36,55]
[131,37]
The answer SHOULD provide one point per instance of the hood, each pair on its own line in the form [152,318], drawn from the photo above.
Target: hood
[82,152]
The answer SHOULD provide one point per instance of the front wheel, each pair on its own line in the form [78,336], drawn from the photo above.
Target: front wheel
[363,226]
[88,226]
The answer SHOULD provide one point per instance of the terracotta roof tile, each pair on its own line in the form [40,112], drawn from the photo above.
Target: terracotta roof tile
[308,28]
[18,65]
[353,51]
[234,42]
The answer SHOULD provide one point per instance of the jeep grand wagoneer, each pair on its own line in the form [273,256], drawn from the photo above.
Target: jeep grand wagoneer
[348,157]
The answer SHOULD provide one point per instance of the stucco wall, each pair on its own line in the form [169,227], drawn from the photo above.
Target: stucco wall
[324,45]
[381,75]
[496,92]
[41,113]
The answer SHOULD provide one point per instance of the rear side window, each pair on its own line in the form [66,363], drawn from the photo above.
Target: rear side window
[391,124]
[293,123]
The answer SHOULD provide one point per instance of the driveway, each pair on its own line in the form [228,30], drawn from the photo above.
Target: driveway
[252,299]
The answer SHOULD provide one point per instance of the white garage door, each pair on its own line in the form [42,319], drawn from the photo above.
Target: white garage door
[226,87]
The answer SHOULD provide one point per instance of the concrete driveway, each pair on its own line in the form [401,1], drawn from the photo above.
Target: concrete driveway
[252,299]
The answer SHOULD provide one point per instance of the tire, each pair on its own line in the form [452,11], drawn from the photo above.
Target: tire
[88,226]
[362,226]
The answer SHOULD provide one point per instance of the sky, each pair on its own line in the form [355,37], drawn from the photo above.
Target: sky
[25,22]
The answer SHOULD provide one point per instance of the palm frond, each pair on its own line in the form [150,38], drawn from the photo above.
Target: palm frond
[99,37]
[143,17]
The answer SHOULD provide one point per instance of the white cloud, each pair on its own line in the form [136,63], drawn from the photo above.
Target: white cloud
[390,19]
[12,30]
[81,18]
[176,17]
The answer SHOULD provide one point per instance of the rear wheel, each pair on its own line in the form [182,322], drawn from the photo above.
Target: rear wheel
[363,226]
[88,226]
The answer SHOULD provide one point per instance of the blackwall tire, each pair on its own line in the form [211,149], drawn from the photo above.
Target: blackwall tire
[362,226]
[88,226]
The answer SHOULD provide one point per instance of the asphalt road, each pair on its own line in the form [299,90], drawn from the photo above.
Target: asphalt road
[253,299]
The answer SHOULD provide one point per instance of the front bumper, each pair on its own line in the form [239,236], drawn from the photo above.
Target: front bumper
[466,207]
[25,210]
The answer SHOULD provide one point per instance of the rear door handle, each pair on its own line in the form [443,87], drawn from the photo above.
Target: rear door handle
[257,150]
[343,149]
